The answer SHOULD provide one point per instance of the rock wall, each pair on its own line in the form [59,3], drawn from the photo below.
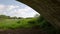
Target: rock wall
[49,9]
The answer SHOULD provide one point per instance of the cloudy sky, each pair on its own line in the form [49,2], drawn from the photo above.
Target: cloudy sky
[15,8]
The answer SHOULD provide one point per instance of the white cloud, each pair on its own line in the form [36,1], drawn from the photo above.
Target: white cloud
[7,8]
[14,10]
[11,7]
[20,12]
[2,7]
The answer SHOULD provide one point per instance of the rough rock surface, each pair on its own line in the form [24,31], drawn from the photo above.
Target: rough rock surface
[49,9]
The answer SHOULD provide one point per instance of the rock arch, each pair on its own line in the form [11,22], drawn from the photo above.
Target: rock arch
[49,9]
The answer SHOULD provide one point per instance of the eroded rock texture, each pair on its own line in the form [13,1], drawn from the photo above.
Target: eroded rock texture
[50,9]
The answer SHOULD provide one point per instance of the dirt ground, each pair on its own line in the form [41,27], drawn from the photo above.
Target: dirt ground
[22,31]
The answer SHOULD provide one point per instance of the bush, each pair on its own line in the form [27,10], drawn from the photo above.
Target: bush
[18,21]
[31,22]
[46,26]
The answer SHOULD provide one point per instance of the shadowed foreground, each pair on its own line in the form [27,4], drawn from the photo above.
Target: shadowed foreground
[23,31]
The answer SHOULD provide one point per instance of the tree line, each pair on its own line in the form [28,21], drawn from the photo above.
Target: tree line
[8,17]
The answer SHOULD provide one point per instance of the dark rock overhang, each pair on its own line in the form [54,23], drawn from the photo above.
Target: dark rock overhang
[49,9]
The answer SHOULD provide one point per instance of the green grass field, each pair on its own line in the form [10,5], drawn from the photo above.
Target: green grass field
[15,23]
[26,23]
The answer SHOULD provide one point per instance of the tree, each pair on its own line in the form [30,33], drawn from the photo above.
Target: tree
[4,16]
[37,15]
[20,17]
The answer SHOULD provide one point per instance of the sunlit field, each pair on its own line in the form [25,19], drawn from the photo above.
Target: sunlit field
[15,23]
